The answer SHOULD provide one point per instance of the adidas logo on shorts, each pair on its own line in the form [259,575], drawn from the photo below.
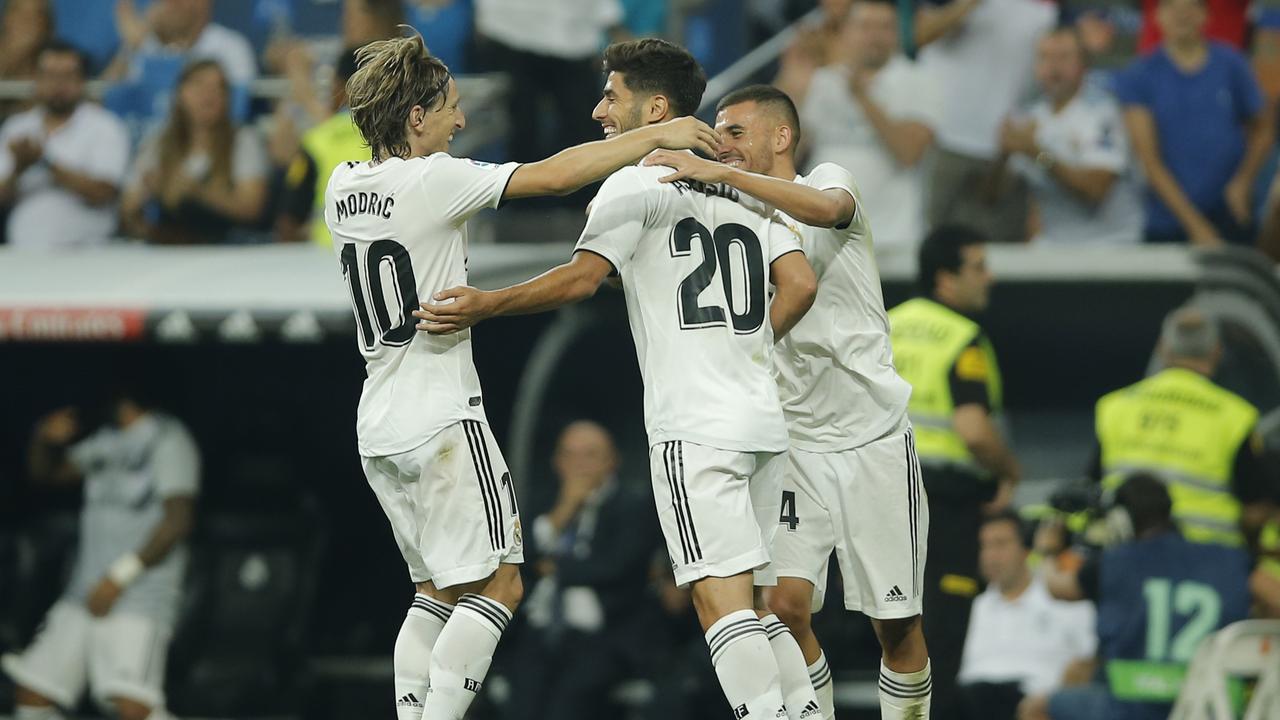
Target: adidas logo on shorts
[810,710]
[895,595]
[409,700]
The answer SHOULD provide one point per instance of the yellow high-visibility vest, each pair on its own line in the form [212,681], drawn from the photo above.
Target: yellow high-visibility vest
[1180,427]
[928,339]
[330,144]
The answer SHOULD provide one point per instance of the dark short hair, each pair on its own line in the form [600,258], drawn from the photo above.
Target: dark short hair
[62,47]
[346,65]
[941,250]
[1009,515]
[1147,501]
[770,97]
[656,67]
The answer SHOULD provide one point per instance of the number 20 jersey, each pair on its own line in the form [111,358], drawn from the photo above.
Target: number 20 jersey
[694,264]
[399,228]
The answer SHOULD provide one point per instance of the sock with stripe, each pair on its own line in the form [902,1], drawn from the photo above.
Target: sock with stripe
[905,696]
[30,712]
[462,656]
[820,676]
[412,659]
[746,667]
[797,689]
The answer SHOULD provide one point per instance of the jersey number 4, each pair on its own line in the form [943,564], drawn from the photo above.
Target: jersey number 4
[733,252]
[389,285]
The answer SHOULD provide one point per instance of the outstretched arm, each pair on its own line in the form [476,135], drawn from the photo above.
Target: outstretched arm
[796,287]
[584,164]
[571,282]
[820,208]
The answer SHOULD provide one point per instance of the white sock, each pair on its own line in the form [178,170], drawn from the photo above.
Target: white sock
[412,658]
[746,667]
[905,696]
[462,656]
[797,689]
[820,676]
[28,712]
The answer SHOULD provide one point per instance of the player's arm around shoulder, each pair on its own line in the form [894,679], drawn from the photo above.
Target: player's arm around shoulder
[571,169]
[827,207]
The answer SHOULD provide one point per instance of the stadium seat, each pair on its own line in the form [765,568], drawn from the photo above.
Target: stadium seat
[1246,649]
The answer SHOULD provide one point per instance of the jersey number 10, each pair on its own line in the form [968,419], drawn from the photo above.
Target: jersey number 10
[718,255]
[394,321]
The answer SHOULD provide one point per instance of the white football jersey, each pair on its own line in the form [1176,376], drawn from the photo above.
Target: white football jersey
[399,228]
[835,370]
[695,269]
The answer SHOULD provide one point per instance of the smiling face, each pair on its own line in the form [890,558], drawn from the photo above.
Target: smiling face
[620,109]
[746,137]
[434,127]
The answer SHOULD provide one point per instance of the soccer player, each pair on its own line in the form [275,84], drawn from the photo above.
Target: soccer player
[852,481]
[110,630]
[399,227]
[695,266]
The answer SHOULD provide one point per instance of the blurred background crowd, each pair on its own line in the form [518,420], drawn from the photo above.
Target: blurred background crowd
[1090,130]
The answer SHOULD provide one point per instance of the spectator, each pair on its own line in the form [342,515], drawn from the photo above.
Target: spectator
[176,32]
[62,162]
[110,630]
[1197,122]
[1265,580]
[981,55]
[1021,642]
[587,618]
[25,28]
[333,141]
[1074,152]
[204,174]
[1158,597]
[1199,438]
[551,51]
[874,115]
[817,45]
[1228,23]
[364,21]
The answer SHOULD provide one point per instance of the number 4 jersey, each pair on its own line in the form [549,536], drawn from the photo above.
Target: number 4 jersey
[695,269]
[399,228]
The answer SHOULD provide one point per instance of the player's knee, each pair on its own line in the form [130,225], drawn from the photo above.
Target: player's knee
[127,709]
[27,697]
[792,608]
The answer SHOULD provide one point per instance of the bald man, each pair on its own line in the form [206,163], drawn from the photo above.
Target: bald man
[587,609]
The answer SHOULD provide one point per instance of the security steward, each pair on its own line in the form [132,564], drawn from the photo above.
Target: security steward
[955,404]
[1198,438]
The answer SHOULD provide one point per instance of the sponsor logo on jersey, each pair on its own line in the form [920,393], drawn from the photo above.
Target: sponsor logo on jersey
[482,164]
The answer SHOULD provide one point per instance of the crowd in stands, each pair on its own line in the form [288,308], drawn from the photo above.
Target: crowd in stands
[1030,121]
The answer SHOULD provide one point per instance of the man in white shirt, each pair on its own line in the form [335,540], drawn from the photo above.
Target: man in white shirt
[63,161]
[182,28]
[1073,150]
[852,483]
[980,52]
[1021,641]
[398,224]
[696,265]
[875,116]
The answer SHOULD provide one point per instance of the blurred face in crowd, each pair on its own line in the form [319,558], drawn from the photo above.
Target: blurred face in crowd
[968,289]
[204,97]
[585,454]
[620,109]
[181,18]
[1182,21]
[836,10]
[750,135]
[871,34]
[1002,558]
[1060,65]
[59,82]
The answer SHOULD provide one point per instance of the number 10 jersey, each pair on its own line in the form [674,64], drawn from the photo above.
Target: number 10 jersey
[694,264]
[399,228]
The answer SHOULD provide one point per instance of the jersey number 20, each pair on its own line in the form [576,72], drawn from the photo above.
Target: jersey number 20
[731,250]
[392,302]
